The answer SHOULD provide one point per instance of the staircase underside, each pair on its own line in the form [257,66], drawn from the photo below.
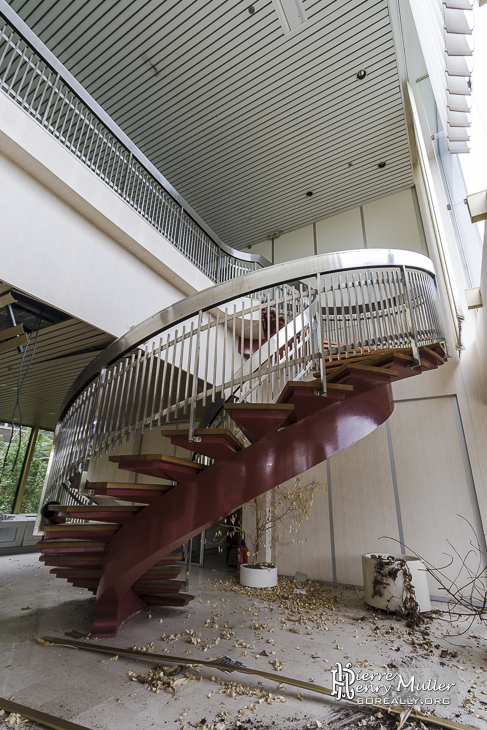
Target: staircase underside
[125,553]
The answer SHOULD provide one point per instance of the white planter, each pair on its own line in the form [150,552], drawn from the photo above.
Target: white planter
[258,576]
[392,594]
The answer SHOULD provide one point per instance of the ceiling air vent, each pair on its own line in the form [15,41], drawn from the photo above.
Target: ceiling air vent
[291,15]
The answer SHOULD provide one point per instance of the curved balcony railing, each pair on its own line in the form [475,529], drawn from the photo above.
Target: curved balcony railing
[35,79]
[244,340]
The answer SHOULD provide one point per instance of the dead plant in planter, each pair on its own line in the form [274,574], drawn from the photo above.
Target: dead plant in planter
[278,513]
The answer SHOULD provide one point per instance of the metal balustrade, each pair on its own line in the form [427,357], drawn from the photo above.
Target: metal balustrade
[32,77]
[243,342]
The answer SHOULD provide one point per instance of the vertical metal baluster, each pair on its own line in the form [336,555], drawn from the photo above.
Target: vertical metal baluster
[129,364]
[180,372]
[140,395]
[98,441]
[188,370]
[171,377]
[360,328]
[117,377]
[410,314]
[196,366]
[251,340]
[163,381]
[303,333]
[335,312]
[286,370]
[426,337]
[242,345]
[378,311]
[8,46]
[224,364]
[321,336]
[12,58]
[392,311]
[401,322]
[34,75]
[259,376]
[432,329]
[107,409]
[67,116]
[27,64]
[344,297]
[148,386]
[156,382]
[217,324]
[207,355]
[117,436]
[385,308]
[233,345]
[134,396]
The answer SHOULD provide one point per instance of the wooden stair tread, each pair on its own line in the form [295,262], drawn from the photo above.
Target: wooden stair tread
[258,406]
[118,486]
[96,508]
[97,527]
[156,457]
[431,353]
[347,368]
[85,545]
[225,432]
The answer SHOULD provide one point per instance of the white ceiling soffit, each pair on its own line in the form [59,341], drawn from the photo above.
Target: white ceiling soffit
[61,352]
[445,31]
[244,118]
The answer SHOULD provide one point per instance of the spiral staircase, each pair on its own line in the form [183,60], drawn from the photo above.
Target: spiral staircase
[297,396]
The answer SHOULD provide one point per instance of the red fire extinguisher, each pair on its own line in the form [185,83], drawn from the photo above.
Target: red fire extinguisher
[243,556]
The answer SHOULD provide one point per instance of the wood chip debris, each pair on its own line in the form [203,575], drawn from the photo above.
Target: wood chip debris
[165,678]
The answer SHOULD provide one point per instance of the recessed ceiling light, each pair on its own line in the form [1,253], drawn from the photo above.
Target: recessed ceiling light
[362,74]
[309,194]
[381,165]
[251,9]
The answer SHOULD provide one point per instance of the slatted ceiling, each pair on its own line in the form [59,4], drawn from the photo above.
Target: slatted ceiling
[63,350]
[241,119]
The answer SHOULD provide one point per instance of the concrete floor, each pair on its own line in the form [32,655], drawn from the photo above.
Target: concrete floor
[96,692]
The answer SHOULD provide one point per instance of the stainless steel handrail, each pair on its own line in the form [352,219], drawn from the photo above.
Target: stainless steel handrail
[245,339]
[35,79]
[257,281]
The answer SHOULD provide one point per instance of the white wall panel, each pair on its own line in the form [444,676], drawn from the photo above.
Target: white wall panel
[432,481]
[311,552]
[340,232]
[264,248]
[363,504]
[391,222]
[295,245]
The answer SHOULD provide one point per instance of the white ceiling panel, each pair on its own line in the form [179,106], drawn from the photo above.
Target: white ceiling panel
[241,118]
